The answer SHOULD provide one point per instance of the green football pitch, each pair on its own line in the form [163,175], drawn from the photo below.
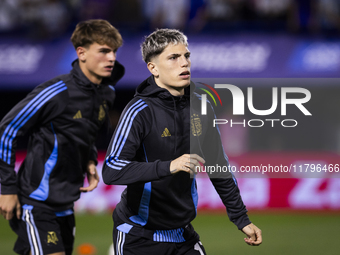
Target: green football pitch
[283,233]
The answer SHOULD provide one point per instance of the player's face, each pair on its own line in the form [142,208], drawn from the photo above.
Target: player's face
[97,61]
[171,68]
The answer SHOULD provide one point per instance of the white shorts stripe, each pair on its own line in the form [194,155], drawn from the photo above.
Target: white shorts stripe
[120,243]
[32,233]
[198,248]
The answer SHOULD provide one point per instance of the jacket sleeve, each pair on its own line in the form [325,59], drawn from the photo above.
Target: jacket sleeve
[120,166]
[225,183]
[37,108]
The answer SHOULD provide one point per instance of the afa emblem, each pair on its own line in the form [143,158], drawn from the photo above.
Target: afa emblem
[101,115]
[52,237]
[196,125]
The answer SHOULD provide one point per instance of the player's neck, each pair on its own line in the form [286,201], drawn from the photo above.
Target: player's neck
[175,91]
[90,75]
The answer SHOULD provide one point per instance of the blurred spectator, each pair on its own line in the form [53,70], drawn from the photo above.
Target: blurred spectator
[51,18]
[54,17]
[302,16]
[44,19]
[189,15]
[271,14]
[8,15]
[95,9]
[127,14]
[29,13]
[328,12]
[220,10]
[197,16]
[170,13]
[272,8]
[230,14]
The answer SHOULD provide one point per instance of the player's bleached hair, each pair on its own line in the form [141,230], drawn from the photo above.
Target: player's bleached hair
[156,42]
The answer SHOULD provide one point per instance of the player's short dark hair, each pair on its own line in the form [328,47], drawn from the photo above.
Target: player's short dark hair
[156,42]
[96,31]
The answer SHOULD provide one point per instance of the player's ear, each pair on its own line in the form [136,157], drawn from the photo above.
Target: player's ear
[153,69]
[81,53]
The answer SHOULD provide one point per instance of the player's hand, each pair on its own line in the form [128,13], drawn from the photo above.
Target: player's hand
[254,235]
[187,163]
[92,177]
[9,203]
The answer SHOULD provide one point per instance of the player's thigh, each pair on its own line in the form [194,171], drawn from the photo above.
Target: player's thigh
[67,229]
[194,249]
[135,245]
[58,253]
[43,232]
[192,245]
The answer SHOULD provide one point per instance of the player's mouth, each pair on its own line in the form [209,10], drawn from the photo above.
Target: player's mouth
[185,75]
[109,68]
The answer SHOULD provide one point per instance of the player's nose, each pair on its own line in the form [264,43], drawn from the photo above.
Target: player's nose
[184,61]
[112,56]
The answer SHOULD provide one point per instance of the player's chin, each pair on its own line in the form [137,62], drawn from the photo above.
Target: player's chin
[184,82]
[106,73]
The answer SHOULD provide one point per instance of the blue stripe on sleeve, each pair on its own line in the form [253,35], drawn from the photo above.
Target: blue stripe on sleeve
[24,115]
[121,135]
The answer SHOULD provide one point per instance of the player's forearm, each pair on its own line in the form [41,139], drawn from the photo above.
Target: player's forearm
[241,221]
[135,172]
[231,198]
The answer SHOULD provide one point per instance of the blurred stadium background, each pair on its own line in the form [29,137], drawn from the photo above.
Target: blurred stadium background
[255,40]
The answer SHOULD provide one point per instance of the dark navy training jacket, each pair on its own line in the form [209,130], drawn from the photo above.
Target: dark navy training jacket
[154,129]
[63,117]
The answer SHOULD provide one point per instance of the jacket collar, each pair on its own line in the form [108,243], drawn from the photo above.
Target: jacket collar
[149,88]
[117,73]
